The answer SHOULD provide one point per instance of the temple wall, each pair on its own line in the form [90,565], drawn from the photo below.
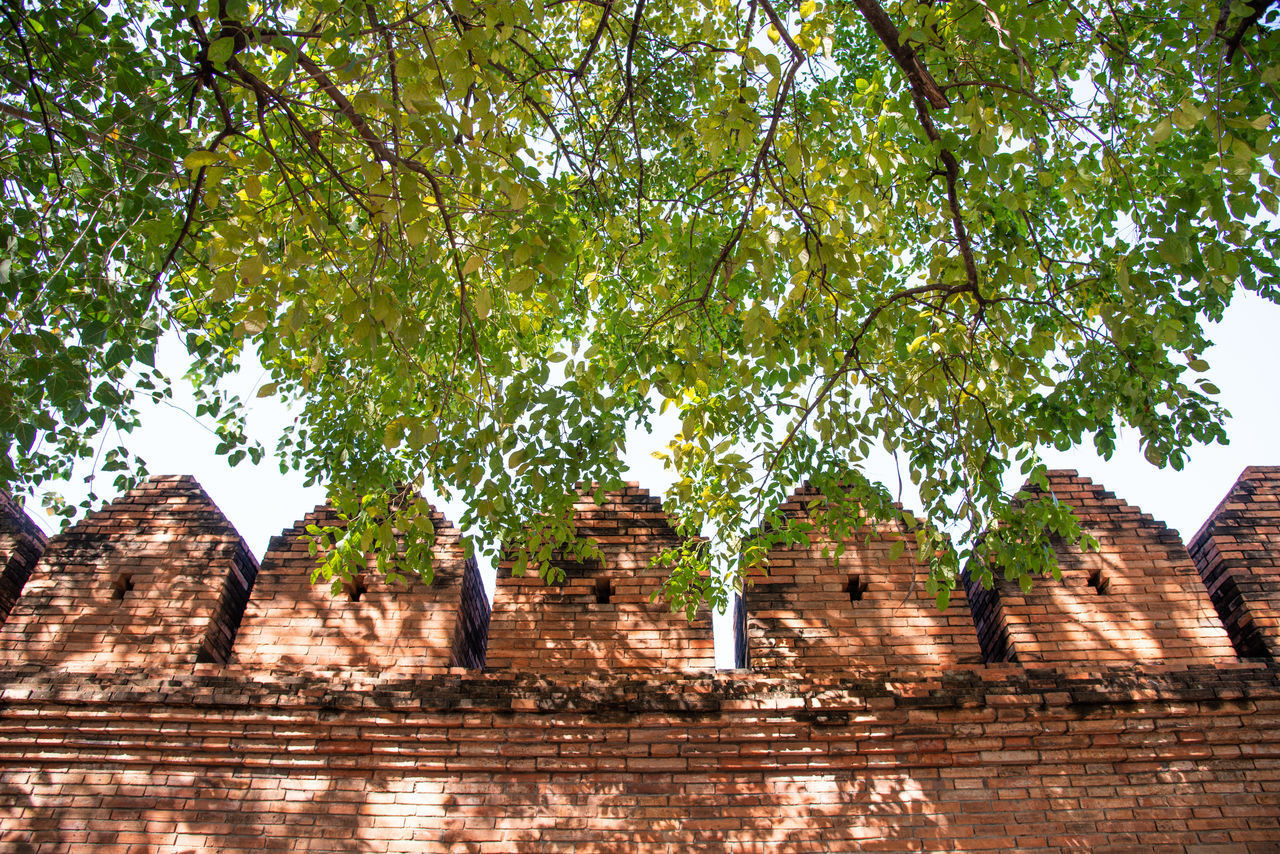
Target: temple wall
[364,722]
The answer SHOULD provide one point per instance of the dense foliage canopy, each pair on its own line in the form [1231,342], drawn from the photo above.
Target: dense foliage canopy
[477,241]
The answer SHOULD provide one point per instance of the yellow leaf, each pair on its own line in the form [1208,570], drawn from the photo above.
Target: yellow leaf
[200,159]
[471,265]
[483,303]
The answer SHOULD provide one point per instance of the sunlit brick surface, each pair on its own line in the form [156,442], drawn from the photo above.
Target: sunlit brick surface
[567,628]
[986,760]
[817,611]
[157,577]
[1138,598]
[589,739]
[374,624]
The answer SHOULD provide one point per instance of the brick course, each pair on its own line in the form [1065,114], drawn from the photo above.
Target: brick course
[985,759]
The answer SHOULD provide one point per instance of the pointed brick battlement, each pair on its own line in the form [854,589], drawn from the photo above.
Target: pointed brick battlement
[866,608]
[1138,599]
[374,625]
[21,544]
[1238,554]
[601,617]
[158,577]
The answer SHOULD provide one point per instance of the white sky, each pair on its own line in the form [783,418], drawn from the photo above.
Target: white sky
[261,502]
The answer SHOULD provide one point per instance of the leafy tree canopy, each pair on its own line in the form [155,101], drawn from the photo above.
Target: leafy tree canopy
[476,241]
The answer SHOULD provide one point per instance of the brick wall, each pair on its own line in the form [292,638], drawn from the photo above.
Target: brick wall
[374,624]
[627,747]
[820,612]
[21,544]
[993,759]
[158,577]
[601,616]
[1238,554]
[1138,598]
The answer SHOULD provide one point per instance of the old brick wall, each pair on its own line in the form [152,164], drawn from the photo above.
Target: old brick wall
[374,624]
[866,607]
[890,752]
[1137,598]
[21,544]
[601,616]
[993,759]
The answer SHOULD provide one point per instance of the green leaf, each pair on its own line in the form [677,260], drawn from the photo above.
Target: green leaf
[220,50]
[522,280]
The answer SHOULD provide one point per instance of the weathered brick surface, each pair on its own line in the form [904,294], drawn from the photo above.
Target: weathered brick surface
[569,628]
[824,613]
[1138,598]
[985,759]
[407,626]
[158,577]
[627,750]
[21,544]
[1238,554]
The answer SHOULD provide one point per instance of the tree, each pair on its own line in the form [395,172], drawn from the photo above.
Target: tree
[476,241]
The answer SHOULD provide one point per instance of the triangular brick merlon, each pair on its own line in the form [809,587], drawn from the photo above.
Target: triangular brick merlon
[1237,552]
[1137,599]
[601,617]
[156,577]
[21,544]
[373,624]
[867,607]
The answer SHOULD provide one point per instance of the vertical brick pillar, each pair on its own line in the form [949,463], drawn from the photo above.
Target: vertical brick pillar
[21,544]
[373,624]
[1137,599]
[601,617]
[1238,554]
[865,608]
[158,577]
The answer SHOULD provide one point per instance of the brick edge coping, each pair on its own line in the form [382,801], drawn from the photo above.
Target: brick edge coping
[604,693]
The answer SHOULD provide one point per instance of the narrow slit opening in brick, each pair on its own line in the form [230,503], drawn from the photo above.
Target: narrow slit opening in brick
[122,585]
[1099,582]
[604,590]
[354,588]
[856,587]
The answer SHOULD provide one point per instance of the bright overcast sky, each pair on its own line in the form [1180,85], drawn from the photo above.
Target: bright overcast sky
[261,502]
